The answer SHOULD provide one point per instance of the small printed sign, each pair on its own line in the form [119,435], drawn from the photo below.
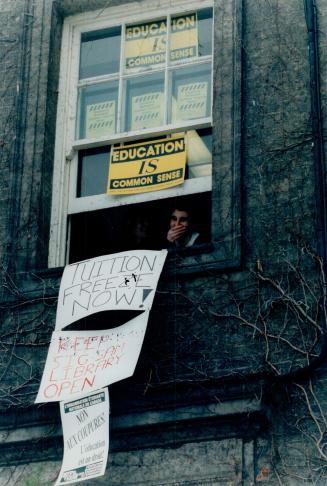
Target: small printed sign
[148,166]
[100,119]
[191,101]
[147,111]
[85,424]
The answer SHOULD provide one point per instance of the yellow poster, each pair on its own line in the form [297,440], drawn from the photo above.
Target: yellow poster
[100,119]
[147,166]
[191,101]
[184,37]
[145,44]
[147,111]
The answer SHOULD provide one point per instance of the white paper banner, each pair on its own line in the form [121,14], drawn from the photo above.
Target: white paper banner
[80,362]
[125,281]
[85,424]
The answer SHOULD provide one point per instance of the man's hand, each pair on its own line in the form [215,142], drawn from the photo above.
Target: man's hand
[176,233]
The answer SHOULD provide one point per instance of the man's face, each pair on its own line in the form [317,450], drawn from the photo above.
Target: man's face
[179,218]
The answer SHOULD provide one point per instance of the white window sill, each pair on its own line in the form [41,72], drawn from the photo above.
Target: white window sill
[104,201]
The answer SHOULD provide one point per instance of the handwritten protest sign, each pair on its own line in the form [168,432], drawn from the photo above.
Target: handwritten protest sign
[85,425]
[80,362]
[125,281]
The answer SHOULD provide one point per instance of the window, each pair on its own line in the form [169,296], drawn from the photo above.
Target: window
[130,76]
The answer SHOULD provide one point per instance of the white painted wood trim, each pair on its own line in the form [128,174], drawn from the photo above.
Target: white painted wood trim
[104,201]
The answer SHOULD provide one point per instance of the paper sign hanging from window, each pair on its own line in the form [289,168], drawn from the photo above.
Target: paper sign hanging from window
[121,281]
[145,44]
[148,166]
[184,37]
[147,110]
[100,119]
[81,362]
[191,101]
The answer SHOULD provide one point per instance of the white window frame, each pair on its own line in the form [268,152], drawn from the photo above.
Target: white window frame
[64,200]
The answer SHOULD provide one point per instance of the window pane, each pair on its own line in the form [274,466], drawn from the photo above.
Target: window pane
[205,31]
[191,35]
[98,110]
[100,53]
[184,37]
[199,153]
[191,93]
[145,44]
[93,172]
[144,102]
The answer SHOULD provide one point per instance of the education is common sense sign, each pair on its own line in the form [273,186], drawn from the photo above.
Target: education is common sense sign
[145,44]
[148,166]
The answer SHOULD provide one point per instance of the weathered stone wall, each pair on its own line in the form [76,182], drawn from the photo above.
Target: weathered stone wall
[11,19]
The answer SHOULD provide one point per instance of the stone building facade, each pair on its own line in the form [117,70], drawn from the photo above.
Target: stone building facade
[230,385]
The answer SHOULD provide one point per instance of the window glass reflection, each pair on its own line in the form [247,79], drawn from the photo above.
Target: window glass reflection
[199,152]
[205,31]
[93,172]
[100,52]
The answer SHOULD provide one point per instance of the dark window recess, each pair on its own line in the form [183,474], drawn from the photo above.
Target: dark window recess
[142,226]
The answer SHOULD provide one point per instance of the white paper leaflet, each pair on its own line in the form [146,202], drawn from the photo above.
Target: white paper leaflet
[85,424]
